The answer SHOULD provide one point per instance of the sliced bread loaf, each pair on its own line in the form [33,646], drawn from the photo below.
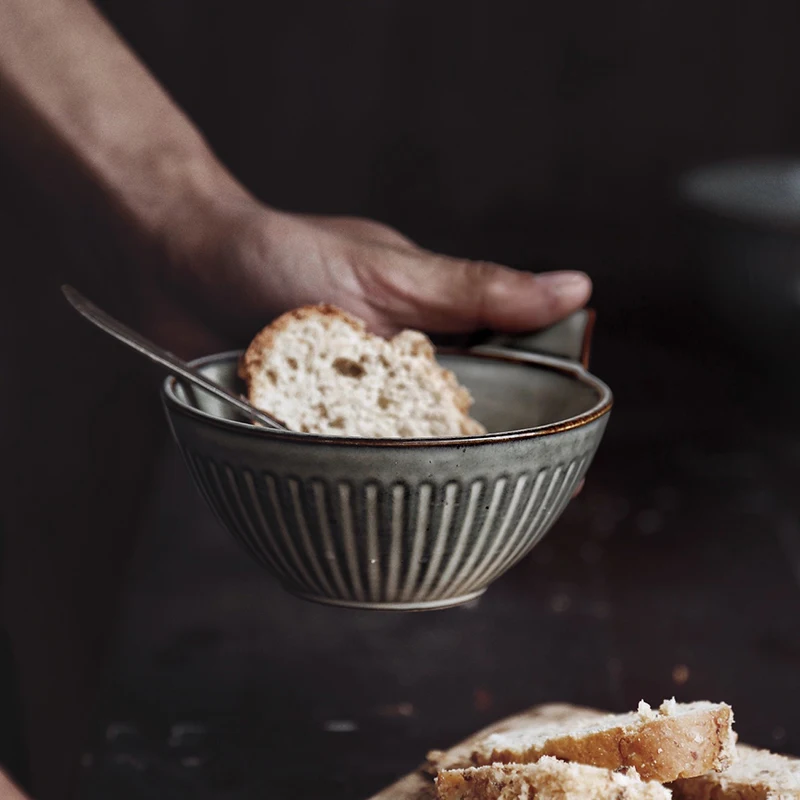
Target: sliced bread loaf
[755,775]
[554,718]
[665,744]
[318,370]
[547,779]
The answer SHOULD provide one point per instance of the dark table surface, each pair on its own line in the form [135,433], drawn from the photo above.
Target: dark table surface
[676,572]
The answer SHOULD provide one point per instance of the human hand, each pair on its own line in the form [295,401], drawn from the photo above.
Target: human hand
[242,263]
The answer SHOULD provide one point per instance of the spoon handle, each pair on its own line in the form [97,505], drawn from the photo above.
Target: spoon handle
[163,357]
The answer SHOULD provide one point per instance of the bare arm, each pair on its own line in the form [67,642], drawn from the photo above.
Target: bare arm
[85,115]
[8,791]
[209,264]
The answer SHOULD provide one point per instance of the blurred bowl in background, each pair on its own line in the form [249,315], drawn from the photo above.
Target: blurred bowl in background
[745,233]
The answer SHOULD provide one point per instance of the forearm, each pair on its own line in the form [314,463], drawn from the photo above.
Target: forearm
[82,114]
[8,791]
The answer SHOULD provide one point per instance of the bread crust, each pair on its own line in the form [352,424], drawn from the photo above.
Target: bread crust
[663,748]
[252,360]
[756,775]
[753,775]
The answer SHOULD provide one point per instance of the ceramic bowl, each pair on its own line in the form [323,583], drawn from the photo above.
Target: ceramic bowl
[408,524]
[745,220]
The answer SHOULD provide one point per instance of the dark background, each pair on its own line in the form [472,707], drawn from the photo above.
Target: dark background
[543,135]
[537,134]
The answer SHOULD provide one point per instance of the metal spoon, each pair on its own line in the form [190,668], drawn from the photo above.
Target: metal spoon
[163,357]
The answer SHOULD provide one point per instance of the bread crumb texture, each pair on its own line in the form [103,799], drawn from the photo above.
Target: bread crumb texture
[318,370]
[548,779]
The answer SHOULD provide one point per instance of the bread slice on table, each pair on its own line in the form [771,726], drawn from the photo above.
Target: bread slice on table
[555,717]
[318,370]
[665,744]
[547,779]
[755,775]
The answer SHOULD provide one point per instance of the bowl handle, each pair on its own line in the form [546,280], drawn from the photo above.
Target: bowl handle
[570,339]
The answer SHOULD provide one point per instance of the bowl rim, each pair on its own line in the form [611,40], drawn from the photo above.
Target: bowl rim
[571,369]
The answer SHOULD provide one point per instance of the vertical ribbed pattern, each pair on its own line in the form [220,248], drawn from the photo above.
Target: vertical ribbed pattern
[499,555]
[478,548]
[331,559]
[253,532]
[441,539]
[305,537]
[460,546]
[435,542]
[371,523]
[396,542]
[349,540]
[419,540]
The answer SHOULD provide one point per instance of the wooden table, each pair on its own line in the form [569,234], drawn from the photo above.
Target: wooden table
[676,572]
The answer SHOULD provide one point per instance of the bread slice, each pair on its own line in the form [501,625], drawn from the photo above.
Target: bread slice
[318,370]
[672,742]
[547,779]
[756,775]
[554,717]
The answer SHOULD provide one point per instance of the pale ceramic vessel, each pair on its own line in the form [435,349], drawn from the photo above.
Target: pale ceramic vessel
[405,524]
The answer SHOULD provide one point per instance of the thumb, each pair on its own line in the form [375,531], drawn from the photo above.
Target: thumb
[445,295]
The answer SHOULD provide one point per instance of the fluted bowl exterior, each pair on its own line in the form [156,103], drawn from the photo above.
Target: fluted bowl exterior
[402,524]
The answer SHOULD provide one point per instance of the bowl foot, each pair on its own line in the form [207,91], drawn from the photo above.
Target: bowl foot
[372,605]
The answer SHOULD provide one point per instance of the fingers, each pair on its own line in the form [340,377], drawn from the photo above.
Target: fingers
[504,299]
[445,295]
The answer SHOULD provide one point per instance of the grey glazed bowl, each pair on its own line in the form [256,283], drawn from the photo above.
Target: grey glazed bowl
[404,524]
[745,221]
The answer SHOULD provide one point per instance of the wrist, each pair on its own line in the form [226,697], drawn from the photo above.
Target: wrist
[175,219]
[190,245]
[166,204]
